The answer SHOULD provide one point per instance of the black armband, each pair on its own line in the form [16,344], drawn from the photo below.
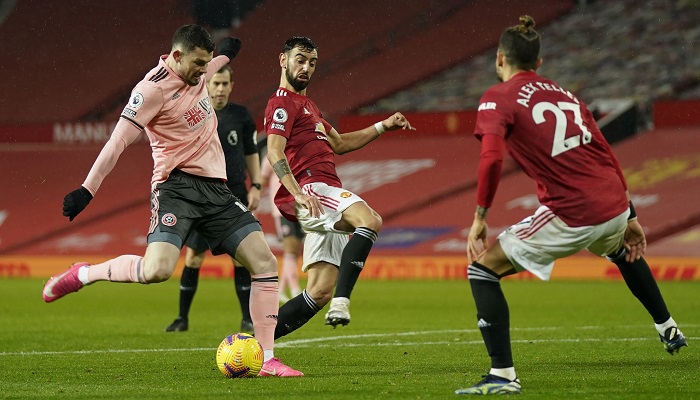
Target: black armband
[633,214]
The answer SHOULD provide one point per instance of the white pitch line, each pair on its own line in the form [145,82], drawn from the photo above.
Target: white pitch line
[317,342]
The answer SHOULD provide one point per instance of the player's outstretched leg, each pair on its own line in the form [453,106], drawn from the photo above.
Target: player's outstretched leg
[641,282]
[126,268]
[64,283]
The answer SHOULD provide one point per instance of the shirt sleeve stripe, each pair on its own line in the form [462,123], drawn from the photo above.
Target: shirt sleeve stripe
[133,122]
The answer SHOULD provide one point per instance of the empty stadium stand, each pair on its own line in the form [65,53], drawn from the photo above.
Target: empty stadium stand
[69,58]
[401,56]
[78,60]
[588,51]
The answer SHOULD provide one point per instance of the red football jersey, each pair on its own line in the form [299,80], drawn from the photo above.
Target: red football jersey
[556,142]
[308,151]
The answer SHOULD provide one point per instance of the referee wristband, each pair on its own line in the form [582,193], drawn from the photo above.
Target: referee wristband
[379,126]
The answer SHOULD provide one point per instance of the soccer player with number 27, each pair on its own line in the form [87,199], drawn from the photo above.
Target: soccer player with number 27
[582,191]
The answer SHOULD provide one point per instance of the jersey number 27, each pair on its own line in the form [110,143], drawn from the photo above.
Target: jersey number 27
[561,142]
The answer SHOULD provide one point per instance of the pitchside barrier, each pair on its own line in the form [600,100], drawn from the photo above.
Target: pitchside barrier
[384,267]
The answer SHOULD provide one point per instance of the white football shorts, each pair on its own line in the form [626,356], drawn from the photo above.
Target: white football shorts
[535,242]
[323,241]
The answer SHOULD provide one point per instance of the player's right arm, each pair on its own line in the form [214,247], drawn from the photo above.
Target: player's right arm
[491,128]
[280,165]
[488,178]
[145,102]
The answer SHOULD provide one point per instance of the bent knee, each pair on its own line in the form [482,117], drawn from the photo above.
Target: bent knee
[158,271]
[321,294]
[376,224]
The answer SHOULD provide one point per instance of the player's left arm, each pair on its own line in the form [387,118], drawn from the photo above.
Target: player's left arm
[351,141]
[215,65]
[228,49]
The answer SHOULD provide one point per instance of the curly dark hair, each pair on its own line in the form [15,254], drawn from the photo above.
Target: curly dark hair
[302,42]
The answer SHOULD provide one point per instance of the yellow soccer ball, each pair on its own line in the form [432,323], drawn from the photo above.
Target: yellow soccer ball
[239,356]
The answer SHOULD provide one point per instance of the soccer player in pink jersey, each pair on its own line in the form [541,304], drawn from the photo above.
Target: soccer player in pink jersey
[189,193]
[300,147]
[237,134]
[584,200]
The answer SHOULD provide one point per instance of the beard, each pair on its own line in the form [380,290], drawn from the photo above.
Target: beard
[499,76]
[296,84]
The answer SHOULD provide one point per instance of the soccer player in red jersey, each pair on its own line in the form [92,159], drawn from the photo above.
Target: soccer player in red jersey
[582,191]
[301,147]
[189,191]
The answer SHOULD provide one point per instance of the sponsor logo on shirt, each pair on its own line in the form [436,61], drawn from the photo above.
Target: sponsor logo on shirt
[206,105]
[128,112]
[280,115]
[306,111]
[321,129]
[489,105]
[278,126]
[175,96]
[345,195]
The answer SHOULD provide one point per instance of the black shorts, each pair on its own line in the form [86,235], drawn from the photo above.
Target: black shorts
[196,241]
[185,203]
[290,228]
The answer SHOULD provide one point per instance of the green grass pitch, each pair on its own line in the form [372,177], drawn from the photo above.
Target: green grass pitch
[407,340]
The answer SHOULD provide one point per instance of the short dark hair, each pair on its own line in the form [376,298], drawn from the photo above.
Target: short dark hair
[189,37]
[224,69]
[521,44]
[303,42]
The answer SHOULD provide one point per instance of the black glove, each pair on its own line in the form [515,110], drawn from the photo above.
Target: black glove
[229,47]
[75,202]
